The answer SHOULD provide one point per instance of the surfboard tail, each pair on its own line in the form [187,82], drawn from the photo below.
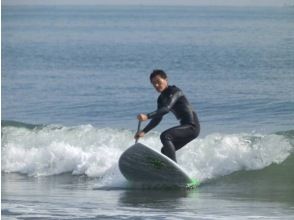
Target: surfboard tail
[193,184]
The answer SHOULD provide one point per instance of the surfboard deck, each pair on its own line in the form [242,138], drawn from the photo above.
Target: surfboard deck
[142,164]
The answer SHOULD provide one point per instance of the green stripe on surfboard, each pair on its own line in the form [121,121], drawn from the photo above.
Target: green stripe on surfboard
[194,183]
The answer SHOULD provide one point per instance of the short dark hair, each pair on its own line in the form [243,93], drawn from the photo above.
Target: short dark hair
[157,72]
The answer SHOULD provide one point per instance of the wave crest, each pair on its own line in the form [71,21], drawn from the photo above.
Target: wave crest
[38,150]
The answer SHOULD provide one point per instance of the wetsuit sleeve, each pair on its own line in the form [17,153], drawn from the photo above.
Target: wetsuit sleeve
[152,124]
[154,121]
[167,106]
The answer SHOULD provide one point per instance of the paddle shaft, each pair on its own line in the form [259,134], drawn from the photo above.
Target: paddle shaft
[138,129]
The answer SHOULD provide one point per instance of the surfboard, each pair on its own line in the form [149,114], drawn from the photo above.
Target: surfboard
[140,164]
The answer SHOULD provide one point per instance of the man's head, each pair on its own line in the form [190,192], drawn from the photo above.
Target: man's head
[158,78]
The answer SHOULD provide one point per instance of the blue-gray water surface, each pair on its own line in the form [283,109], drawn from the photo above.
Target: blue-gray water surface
[75,77]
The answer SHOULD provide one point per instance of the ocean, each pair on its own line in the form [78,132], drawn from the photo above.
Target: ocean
[75,77]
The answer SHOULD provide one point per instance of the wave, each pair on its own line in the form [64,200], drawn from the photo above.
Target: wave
[272,183]
[17,124]
[44,150]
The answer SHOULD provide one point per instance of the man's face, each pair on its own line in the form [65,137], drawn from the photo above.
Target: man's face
[159,83]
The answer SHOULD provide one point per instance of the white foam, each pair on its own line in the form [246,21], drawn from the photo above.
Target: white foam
[52,150]
[95,152]
[221,154]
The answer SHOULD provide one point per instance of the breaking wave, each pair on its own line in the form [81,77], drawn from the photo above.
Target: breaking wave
[44,150]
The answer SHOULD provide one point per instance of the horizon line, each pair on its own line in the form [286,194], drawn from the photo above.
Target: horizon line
[146,4]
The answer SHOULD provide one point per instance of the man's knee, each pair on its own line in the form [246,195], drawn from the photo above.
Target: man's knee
[165,136]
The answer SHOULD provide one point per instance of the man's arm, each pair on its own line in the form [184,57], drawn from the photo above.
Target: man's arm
[167,107]
[152,124]
[157,115]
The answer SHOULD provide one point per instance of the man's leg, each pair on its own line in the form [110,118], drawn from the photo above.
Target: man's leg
[175,138]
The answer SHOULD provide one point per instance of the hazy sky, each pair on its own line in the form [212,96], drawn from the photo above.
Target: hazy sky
[153,2]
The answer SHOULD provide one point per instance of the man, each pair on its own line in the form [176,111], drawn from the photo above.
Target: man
[171,99]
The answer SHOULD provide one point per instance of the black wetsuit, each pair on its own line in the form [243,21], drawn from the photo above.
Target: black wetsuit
[173,99]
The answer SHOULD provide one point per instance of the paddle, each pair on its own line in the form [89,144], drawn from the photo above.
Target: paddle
[139,127]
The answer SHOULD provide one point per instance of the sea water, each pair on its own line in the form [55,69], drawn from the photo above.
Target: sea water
[75,77]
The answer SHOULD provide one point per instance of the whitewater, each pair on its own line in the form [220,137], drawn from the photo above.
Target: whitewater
[45,150]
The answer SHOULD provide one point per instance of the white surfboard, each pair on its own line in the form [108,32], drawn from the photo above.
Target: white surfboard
[142,164]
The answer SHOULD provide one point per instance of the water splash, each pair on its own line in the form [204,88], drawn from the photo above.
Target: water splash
[94,152]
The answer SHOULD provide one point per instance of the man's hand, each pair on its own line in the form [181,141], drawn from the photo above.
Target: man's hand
[139,134]
[142,117]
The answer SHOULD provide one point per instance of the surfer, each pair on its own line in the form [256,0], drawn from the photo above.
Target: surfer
[172,99]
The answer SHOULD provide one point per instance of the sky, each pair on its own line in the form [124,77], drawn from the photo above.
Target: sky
[152,2]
